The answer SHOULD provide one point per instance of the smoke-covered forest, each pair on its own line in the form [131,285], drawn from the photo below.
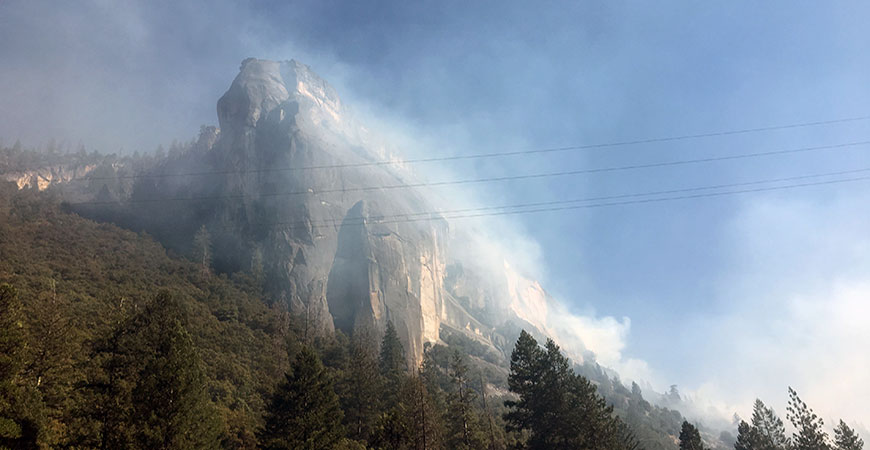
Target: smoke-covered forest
[392,225]
[111,341]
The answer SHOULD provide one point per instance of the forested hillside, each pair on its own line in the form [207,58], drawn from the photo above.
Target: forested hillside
[109,342]
[79,283]
[113,343]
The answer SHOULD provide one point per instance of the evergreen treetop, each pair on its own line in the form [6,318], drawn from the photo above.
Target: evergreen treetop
[556,407]
[845,438]
[809,428]
[304,411]
[392,364]
[690,438]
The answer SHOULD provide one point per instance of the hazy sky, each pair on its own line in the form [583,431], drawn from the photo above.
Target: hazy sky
[730,298]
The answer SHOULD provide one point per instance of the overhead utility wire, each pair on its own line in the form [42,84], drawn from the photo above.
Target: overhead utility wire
[503,154]
[447,214]
[605,204]
[494,179]
[663,199]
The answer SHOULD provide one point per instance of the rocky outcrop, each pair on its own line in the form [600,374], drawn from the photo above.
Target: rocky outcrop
[291,184]
[45,177]
[328,252]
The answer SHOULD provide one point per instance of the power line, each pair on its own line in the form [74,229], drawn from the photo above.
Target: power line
[634,202]
[504,154]
[665,199]
[479,211]
[495,179]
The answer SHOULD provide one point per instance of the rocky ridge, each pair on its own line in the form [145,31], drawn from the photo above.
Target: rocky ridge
[286,185]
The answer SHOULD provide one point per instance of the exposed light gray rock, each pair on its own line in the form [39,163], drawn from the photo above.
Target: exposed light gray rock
[326,254]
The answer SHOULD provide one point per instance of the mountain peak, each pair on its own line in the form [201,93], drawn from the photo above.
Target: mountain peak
[262,85]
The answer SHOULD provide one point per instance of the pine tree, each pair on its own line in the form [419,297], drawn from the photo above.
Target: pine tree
[809,428]
[422,421]
[526,371]
[746,437]
[769,429]
[766,432]
[202,249]
[557,408]
[18,428]
[304,412]
[435,370]
[626,439]
[360,388]
[690,438]
[52,343]
[463,418]
[391,430]
[845,438]
[591,416]
[170,400]
[392,363]
[151,393]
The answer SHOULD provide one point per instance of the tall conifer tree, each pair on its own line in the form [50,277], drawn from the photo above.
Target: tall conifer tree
[690,438]
[526,370]
[747,437]
[770,428]
[156,396]
[422,421]
[170,401]
[845,438]
[360,388]
[463,418]
[304,412]
[202,249]
[18,429]
[559,409]
[392,363]
[809,428]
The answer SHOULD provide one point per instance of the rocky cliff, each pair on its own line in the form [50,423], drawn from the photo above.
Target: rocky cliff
[309,203]
[44,177]
[290,185]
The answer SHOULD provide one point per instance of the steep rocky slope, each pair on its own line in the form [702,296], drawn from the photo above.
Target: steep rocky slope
[294,191]
[283,132]
[292,186]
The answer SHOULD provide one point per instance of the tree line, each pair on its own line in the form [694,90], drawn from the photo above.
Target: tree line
[131,347]
[98,360]
[147,391]
[766,431]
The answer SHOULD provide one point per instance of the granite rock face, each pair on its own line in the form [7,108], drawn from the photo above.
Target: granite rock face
[329,247]
[44,177]
[291,187]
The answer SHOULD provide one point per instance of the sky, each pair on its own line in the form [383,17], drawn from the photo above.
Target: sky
[730,298]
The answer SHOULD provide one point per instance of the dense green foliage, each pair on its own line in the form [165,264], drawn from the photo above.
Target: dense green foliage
[657,427]
[464,419]
[79,283]
[151,391]
[556,407]
[845,438]
[360,387]
[690,438]
[392,364]
[17,425]
[767,432]
[810,432]
[120,344]
[304,412]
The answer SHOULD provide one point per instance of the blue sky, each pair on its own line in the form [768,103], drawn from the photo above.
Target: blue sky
[730,298]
